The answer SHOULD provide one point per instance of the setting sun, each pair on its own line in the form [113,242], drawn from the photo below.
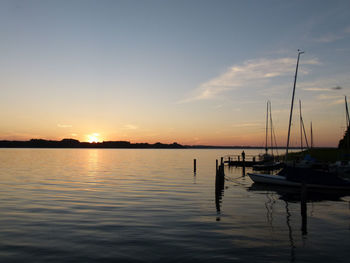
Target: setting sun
[93,138]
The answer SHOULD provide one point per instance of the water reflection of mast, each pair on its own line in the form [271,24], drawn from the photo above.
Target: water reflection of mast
[291,240]
[303,210]
[269,209]
[219,192]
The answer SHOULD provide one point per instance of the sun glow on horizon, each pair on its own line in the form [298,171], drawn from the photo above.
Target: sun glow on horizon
[93,138]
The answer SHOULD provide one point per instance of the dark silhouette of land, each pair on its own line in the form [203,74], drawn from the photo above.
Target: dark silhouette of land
[72,143]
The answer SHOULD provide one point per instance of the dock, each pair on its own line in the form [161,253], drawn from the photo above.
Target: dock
[239,160]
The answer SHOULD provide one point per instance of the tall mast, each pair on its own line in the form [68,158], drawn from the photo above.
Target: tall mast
[301,126]
[267,125]
[302,129]
[312,137]
[347,113]
[271,128]
[347,123]
[292,104]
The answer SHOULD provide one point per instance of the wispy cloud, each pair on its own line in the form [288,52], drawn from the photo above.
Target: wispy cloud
[130,127]
[252,73]
[328,97]
[64,126]
[331,99]
[323,89]
[246,124]
[337,102]
[333,36]
[317,89]
[337,88]
[335,83]
[329,38]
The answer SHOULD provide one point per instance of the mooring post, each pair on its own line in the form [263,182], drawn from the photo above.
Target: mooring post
[222,161]
[220,171]
[216,165]
[243,158]
[303,208]
[229,161]
[194,165]
[253,159]
[239,159]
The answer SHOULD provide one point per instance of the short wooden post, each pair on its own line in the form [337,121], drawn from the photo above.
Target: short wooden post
[222,160]
[220,171]
[253,159]
[303,208]
[194,165]
[243,158]
[229,161]
[216,165]
[239,159]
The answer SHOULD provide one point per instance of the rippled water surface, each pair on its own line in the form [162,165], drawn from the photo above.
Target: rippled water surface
[101,205]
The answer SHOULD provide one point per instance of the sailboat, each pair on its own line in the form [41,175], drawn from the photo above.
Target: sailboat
[296,175]
[267,160]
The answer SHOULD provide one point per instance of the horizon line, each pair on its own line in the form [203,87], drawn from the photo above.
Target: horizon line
[76,142]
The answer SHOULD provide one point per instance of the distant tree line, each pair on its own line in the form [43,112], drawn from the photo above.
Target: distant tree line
[72,143]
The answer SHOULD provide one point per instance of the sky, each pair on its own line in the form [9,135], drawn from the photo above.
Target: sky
[191,72]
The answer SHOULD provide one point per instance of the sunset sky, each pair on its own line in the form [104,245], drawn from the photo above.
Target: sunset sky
[192,72]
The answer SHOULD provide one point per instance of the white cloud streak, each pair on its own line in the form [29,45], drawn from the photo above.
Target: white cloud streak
[317,89]
[256,73]
[332,37]
[64,126]
[130,127]
[247,124]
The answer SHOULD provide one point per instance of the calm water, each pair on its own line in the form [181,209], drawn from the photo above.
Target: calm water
[89,205]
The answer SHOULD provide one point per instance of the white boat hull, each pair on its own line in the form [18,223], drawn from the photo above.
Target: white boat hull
[281,180]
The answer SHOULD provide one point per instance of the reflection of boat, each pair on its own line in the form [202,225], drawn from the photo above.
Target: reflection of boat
[293,194]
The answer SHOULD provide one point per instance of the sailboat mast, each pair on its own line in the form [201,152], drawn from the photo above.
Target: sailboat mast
[302,130]
[271,128]
[347,113]
[312,137]
[301,126]
[347,123]
[292,104]
[267,125]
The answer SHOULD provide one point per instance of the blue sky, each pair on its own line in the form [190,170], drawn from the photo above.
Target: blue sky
[195,72]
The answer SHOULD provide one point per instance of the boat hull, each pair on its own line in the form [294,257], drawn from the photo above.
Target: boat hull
[269,166]
[281,180]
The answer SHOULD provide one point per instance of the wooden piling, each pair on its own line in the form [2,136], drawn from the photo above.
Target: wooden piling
[303,208]
[243,159]
[194,165]
[220,171]
[216,165]
[222,160]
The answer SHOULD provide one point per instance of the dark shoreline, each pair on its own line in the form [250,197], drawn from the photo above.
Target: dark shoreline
[72,143]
